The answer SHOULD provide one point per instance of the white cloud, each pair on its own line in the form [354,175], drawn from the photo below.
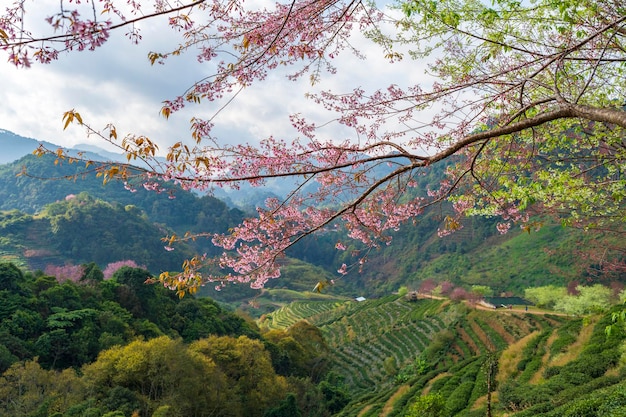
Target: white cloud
[117,84]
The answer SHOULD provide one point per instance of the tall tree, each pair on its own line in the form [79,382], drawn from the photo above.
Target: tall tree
[525,103]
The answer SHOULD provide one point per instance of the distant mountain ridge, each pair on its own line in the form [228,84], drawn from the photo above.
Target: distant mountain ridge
[15,146]
[475,255]
[246,197]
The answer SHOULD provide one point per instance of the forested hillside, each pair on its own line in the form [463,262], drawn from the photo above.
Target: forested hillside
[81,229]
[120,347]
[475,254]
[44,184]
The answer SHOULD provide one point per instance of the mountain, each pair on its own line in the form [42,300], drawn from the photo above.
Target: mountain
[82,229]
[182,210]
[14,146]
[474,255]
[103,153]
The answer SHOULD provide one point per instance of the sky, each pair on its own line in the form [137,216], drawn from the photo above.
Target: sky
[116,84]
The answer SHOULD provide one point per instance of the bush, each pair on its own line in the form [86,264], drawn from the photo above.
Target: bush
[551,371]
[449,387]
[536,410]
[457,401]
[514,396]
[614,404]
[587,407]
[430,405]
[568,334]
[568,394]
[473,413]
[439,383]
[613,412]
[521,365]
[592,365]
[576,378]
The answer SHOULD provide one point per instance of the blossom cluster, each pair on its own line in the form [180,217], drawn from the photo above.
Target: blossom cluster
[501,107]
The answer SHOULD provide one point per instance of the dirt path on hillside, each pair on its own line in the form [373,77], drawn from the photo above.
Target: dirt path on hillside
[477,306]
[520,310]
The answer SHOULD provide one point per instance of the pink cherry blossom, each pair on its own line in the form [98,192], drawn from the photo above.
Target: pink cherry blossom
[521,124]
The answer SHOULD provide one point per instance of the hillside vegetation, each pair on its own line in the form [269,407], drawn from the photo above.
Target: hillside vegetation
[44,184]
[119,347]
[322,354]
[396,354]
[476,254]
[79,230]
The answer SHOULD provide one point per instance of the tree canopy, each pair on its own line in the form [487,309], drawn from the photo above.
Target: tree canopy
[524,105]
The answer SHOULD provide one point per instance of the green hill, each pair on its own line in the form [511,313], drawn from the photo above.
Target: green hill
[91,346]
[392,352]
[82,229]
[178,209]
[476,254]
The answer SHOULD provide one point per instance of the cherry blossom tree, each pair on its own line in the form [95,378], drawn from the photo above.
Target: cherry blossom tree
[526,110]
[427,286]
[112,267]
[459,293]
[66,272]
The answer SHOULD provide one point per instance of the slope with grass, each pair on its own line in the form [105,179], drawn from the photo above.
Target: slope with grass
[391,351]
[363,335]
[548,366]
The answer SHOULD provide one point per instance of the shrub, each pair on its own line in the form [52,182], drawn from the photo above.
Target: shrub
[515,396]
[457,401]
[567,335]
[438,384]
[586,407]
[613,412]
[614,404]
[536,410]
[430,405]
[575,378]
[568,394]
[593,365]
[551,371]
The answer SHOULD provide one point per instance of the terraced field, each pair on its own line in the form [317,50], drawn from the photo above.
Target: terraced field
[312,311]
[363,334]
[455,339]
[375,342]
[363,340]
[456,369]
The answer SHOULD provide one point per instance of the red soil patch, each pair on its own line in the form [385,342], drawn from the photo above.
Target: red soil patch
[468,340]
[498,328]
[484,339]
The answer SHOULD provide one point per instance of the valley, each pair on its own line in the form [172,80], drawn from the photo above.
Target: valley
[357,347]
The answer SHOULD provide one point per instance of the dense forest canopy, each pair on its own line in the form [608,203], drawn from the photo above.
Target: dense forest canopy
[117,345]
